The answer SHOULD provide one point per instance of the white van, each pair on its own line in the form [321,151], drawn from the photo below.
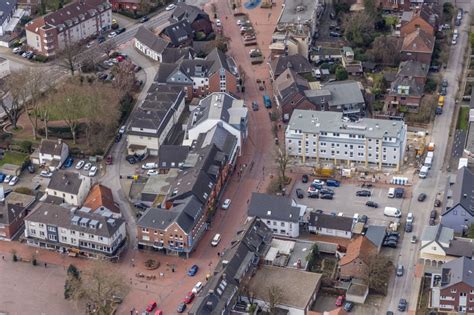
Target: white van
[423,172]
[392,212]
[428,162]
[391,192]
[216,240]
[430,154]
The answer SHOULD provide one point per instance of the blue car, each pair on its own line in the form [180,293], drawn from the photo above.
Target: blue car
[2,177]
[68,162]
[193,270]
[333,183]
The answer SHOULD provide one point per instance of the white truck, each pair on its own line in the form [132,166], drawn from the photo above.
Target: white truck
[430,154]
[428,162]
[423,172]
[392,212]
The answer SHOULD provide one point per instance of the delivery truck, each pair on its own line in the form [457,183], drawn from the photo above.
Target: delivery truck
[392,212]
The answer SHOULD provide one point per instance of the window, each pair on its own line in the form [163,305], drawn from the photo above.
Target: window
[282,223]
[51,229]
[64,239]
[144,230]
[282,231]
[274,223]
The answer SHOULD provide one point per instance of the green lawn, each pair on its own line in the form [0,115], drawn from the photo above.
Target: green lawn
[463,118]
[15,158]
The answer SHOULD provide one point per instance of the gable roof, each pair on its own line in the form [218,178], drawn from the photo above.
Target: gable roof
[437,233]
[179,32]
[220,60]
[360,247]
[413,68]
[220,137]
[376,234]
[172,54]
[330,221]
[101,196]
[414,89]
[169,154]
[13,206]
[418,41]
[65,181]
[463,191]
[6,7]
[297,63]
[460,270]
[52,147]
[344,92]
[288,84]
[272,207]
[188,12]
[149,39]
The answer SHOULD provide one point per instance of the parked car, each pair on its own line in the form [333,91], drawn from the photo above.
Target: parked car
[193,270]
[197,288]
[31,168]
[437,203]
[413,239]
[112,35]
[399,192]
[371,204]
[45,173]
[363,218]
[68,163]
[121,30]
[392,238]
[299,193]
[170,7]
[318,182]
[254,106]
[216,240]
[389,243]
[335,34]
[109,160]
[433,214]
[400,270]
[189,298]
[2,177]
[402,305]
[181,307]
[13,181]
[408,227]
[144,19]
[140,205]
[152,172]
[432,222]
[87,166]
[333,183]
[393,233]
[151,306]
[410,217]
[348,306]
[226,204]
[304,178]
[316,186]
[149,166]
[218,23]
[131,159]
[340,300]
[363,193]
[118,137]
[93,171]
[101,39]
[313,194]
[326,191]
[7,178]
[326,196]
[421,197]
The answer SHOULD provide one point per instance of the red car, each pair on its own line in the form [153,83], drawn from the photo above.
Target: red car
[151,306]
[108,161]
[120,58]
[189,298]
[340,300]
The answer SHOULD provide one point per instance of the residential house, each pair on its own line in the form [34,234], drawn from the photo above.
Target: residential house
[200,77]
[8,8]
[133,6]
[376,234]
[355,263]
[327,136]
[47,35]
[178,34]
[172,55]
[322,54]
[68,187]
[332,225]
[458,204]
[278,212]
[101,200]
[455,292]
[408,87]
[151,123]
[304,288]
[53,153]
[422,17]
[394,5]
[289,90]
[418,46]
[172,156]
[218,108]
[174,231]
[238,262]
[13,209]
[298,63]
[197,18]
[77,232]
[150,44]
[438,245]
[340,96]
[352,66]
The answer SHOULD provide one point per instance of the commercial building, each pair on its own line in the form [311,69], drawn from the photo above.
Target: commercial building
[77,21]
[327,136]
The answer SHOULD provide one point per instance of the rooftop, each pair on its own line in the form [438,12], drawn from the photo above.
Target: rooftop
[437,233]
[460,270]
[297,63]
[149,39]
[463,191]
[360,247]
[99,197]
[309,121]
[298,11]
[267,206]
[52,147]
[13,206]
[6,7]
[65,181]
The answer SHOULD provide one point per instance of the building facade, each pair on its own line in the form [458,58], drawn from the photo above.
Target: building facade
[68,187]
[327,136]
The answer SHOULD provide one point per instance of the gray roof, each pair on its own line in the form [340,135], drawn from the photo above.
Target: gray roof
[149,39]
[309,121]
[185,213]
[460,247]
[188,12]
[172,54]
[288,84]
[407,16]
[344,92]
[376,234]
[460,270]
[7,8]
[295,12]
[463,191]
[437,233]
[413,68]
[272,207]
[170,154]
[14,206]
[221,60]
[179,32]
[297,63]
[414,89]
[330,221]
[65,181]
[53,147]
[59,216]
[220,137]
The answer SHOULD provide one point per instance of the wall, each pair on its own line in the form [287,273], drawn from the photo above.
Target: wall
[283,228]
[460,288]
[147,51]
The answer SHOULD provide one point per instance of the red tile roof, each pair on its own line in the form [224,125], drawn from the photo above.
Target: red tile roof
[101,196]
[360,247]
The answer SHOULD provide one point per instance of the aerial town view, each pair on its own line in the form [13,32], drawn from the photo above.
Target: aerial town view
[211,157]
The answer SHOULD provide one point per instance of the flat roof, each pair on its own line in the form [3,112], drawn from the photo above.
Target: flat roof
[300,251]
[295,11]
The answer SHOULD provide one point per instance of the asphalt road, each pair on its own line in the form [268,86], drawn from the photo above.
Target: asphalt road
[402,287]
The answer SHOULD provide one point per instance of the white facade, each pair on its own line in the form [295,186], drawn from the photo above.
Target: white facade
[157,56]
[73,199]
[47,159]
[193,133]
[282,228]
[344,144]
[331,232]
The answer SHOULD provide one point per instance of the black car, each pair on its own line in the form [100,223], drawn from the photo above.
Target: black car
[397,234]
[348,306]
[392,238]
[31,168]
[433,214]
[144,19]
[408,227]
[131,159]
[372,204]
[363,218]
[140,205]
[327,191]
[139,157]
[402,305]
[254,106]
[391,244]
[319,211]
[399,192]
[443,91]
[313,194]
[432,222]
[304,178]
[181,307]
[363,193]
[437,203]
[120,30]
[101,39]
[326,196]
[421,197]
[118,137]
[299,193]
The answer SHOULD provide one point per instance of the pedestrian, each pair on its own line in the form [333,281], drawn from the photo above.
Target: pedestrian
[3,257]
[248,201]
[45,265]
[218,254]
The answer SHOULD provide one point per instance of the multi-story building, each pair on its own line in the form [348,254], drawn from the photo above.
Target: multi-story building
[78,232]
[68,187]
[77,21]
[101,200]
[327,136]
[52,154]
[8,8]
[13,209]
[152,122]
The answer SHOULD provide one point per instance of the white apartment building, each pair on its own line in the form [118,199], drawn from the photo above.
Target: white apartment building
[68,187]
[77,21]
[77,232]
[328,136]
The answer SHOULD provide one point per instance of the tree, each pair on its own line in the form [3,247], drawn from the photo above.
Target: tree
[386,50]
[313,257]
[377,274]
[124,78]
[72,281]
[68,57]
[358,28]
[11,108]
[370,8]
[430,85]
[97,286]
[275,295]
[341,73]
[282,160]
[107,47]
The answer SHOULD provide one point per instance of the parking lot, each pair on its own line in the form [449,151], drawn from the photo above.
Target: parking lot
[347,191]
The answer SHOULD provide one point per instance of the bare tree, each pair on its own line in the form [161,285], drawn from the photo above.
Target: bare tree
[124,78]
[377,273]
[11,108]
[107,47]
[282,160]
[68,57]
[275,295]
